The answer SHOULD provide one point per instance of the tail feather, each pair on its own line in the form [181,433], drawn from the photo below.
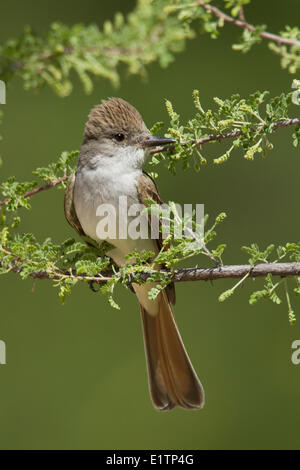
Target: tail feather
[172,379]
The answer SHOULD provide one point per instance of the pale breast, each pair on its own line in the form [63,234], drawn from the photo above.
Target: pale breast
[95,187]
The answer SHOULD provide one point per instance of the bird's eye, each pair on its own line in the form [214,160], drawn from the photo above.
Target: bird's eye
[119,137]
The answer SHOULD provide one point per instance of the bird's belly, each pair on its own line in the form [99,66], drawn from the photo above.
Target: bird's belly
[87,205]
[121,230]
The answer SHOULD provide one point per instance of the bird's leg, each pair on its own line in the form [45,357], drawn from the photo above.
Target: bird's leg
[91,285]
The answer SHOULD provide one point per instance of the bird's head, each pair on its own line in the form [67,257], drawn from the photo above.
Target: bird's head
[116,130]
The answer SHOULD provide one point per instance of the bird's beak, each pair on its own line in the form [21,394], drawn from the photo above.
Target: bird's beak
[154,141]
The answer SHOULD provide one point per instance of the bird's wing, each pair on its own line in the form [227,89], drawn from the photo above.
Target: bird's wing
[147,189]
[69,207]
[71,216]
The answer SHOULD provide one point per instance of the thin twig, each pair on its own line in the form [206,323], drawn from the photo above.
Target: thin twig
[46,186]
[241,13]
[231,135]
[243,24]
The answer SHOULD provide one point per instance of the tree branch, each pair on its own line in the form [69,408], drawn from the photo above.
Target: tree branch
[46,186]
[231,135]
[243,24]
[203,140]
[237,271]
[190,274]
[69,50]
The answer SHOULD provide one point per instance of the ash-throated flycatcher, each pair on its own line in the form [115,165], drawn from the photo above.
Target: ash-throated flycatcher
[115,147]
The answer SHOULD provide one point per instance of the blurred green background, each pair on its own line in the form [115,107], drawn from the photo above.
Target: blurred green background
[75,375]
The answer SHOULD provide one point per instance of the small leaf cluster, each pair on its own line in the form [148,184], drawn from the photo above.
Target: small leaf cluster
[235,5]
[66,263]
[290,55]
[247,122]
[290,252]
[145,36]
[193,13]
[64,166]
[175,249]
[13,192]
[70,262]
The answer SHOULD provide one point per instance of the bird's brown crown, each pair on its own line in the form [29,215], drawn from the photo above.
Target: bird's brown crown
[112,116]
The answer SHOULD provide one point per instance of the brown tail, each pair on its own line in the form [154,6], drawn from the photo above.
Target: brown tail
[172,379]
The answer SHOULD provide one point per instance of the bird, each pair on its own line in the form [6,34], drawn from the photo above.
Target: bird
[116,144]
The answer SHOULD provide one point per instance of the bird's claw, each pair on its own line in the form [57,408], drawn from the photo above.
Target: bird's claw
[91,286]
[130,279]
